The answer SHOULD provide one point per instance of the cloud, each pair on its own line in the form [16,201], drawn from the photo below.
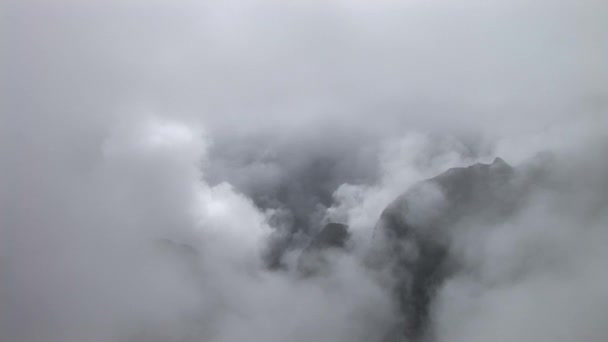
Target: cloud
[539,275]
[154,153]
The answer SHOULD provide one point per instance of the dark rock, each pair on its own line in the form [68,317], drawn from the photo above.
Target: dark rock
[313,259]
[332,235]
[411,238]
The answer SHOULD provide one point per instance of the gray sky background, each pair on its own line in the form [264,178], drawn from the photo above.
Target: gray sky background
[223,124]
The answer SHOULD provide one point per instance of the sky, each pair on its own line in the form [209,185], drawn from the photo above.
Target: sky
[158,158]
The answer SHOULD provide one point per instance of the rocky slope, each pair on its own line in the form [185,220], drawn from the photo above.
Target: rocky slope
[412,237]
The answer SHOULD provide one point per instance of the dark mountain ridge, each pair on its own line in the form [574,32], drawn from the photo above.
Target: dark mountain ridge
[411,239]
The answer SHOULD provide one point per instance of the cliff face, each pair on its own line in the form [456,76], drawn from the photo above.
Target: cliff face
[412,236]
[411,239]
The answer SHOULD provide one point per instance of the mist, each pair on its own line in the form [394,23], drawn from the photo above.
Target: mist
[166,165]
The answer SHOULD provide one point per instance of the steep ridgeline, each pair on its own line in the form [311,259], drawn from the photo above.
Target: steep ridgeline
[412,237]
[411,240]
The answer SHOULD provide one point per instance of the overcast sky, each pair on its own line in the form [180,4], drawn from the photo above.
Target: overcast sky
[237,128]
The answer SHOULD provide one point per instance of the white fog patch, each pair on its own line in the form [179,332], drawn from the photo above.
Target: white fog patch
[532,285]
[220,234]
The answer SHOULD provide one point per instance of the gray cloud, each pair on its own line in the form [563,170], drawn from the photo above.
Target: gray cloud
[150,151]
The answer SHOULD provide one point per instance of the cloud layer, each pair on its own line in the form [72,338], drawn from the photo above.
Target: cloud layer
[156,157]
